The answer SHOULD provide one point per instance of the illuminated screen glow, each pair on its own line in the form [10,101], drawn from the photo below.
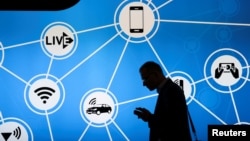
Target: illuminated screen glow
[73,74]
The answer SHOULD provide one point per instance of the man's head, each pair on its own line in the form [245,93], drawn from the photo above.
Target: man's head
[151,74]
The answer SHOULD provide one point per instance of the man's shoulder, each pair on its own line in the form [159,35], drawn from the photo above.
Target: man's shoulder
[170,85]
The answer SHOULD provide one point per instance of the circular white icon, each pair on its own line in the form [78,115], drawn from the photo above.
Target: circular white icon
[226,70]
[59,40]
[137,21]
[98,107]
[15,130]
[44,94]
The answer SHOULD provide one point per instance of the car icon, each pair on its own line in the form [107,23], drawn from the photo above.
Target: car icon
[98,109]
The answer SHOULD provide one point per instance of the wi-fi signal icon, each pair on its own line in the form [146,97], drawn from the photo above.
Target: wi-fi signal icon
[17,132]
[44,93]
[92,101]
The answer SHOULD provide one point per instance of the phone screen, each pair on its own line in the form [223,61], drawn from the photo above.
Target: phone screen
[136,19]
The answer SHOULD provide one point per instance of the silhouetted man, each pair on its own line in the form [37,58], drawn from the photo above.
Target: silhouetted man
[169,122]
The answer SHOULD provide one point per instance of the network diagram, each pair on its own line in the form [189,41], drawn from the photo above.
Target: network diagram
[225,71]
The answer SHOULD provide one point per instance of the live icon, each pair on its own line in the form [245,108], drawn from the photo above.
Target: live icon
[229,132]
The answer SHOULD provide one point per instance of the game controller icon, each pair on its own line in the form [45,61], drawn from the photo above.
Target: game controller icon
[226,68]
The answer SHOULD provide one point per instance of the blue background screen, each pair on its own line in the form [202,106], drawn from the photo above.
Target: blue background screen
[73,74]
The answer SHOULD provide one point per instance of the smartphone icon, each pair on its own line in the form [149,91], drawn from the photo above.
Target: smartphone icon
[136,19]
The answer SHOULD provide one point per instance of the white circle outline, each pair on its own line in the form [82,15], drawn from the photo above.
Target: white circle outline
[42,40]
[100,90]
[13,119]
[45,111]
[129,37]
[210,56]
[2,50]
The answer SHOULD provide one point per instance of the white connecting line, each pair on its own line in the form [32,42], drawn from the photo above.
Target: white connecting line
[203,22]
[1,117]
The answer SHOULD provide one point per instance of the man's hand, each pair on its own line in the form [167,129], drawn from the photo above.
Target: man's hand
[143,113]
